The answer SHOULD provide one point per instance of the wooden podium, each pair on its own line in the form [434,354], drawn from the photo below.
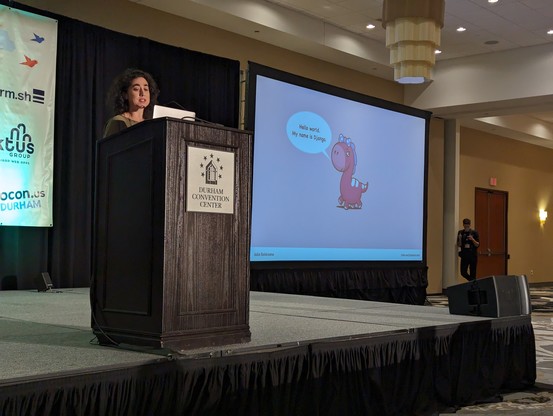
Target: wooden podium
[165,273]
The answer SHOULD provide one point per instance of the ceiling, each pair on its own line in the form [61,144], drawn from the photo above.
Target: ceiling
[507,24]
[335,31]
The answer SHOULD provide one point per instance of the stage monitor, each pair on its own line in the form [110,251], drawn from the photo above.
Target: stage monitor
[337,176]
[493,296]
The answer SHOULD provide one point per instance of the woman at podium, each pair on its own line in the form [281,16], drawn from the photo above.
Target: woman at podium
[131,99]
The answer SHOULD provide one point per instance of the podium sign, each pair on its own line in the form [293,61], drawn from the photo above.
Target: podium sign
[169,273]
[210,185]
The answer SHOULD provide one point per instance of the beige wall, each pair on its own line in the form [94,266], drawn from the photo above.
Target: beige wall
[522,170]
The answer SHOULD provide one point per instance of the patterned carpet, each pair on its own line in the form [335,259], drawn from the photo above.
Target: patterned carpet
[539,399]
[542,299]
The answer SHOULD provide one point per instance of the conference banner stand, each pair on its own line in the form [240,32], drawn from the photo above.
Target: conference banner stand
[28,50]
[171,236]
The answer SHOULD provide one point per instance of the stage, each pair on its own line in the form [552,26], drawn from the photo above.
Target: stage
[307,356]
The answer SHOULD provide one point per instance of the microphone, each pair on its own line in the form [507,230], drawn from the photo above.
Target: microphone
[175,103]
[196,119]
[201,120]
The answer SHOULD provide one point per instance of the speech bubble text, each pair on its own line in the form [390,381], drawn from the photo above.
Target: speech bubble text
[309,132]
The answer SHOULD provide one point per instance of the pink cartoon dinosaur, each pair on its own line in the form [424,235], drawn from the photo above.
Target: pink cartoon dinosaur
[344,160]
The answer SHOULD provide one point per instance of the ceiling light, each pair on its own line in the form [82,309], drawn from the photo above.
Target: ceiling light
[493,1]
[413,35]
[370,26]
[461,29]
[550,32]
[437,51]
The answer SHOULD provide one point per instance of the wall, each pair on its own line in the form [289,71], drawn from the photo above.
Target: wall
[524,171]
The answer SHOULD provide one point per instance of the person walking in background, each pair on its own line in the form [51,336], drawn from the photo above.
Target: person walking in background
[468,242]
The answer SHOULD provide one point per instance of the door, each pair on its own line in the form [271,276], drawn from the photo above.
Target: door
[490,220]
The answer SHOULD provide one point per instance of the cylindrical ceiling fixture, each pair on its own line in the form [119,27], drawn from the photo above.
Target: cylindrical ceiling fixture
[413,35]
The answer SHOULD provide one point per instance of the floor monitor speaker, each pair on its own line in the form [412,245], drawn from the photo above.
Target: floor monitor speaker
[492,296]
[43,282]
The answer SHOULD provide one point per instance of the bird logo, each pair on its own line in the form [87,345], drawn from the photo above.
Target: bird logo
[37,38]
[29,62]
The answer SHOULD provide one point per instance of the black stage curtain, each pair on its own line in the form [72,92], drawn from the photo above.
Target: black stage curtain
[397,285]
[88,59]
[410,373]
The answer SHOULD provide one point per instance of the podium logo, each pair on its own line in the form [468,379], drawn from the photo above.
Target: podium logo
[19,143]
[211,171]
[210,181]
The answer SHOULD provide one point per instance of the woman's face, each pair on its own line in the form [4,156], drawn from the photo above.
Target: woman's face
[138,94]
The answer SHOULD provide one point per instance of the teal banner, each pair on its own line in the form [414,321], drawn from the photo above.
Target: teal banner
[28,46]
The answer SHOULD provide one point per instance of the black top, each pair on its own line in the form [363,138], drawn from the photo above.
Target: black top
[467,246]
[116,124]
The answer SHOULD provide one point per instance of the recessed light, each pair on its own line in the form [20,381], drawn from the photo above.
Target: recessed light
[550,32]
[437,51]
[493,1]
[461,29]
[370,26]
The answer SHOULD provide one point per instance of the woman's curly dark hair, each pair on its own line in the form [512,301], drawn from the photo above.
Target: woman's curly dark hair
[116,101]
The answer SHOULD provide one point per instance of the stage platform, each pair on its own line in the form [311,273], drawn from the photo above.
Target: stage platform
[307,356]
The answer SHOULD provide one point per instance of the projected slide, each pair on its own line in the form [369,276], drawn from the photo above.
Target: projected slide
[334,179]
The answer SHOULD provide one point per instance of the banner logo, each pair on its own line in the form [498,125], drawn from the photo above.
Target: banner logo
[21,200]
[37,96]
[19,144]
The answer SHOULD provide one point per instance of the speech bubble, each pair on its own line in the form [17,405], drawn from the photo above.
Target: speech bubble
[309,132]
